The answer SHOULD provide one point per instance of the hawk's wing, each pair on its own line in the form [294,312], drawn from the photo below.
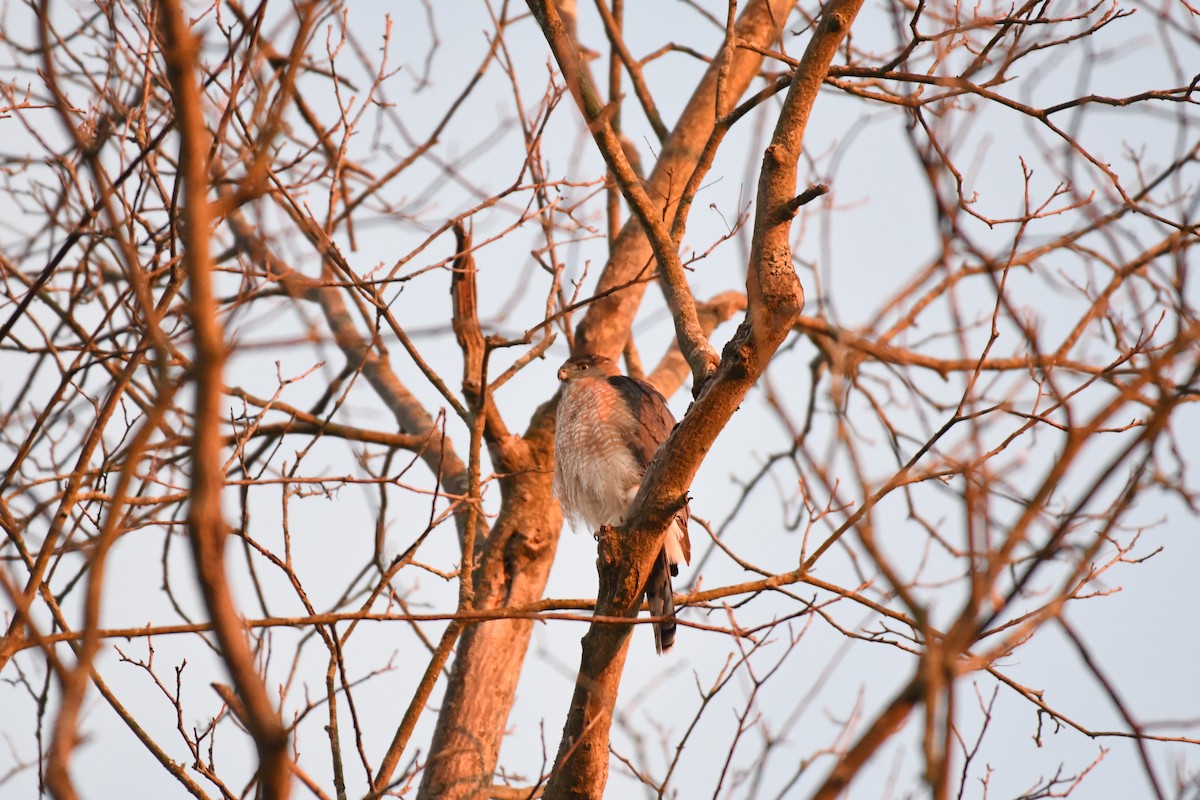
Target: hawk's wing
[653,420]
[653,423]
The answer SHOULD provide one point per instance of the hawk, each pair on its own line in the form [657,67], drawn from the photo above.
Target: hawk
[609,427]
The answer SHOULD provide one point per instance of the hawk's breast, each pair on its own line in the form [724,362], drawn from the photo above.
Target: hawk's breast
[595,469]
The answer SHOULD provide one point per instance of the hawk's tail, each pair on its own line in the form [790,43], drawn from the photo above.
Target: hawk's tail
[662,603]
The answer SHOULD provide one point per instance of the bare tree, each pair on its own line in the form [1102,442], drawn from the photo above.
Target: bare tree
[284,287]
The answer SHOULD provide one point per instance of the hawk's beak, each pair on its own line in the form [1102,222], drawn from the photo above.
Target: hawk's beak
[562,373]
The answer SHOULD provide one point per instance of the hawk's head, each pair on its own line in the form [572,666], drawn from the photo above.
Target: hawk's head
[587,365]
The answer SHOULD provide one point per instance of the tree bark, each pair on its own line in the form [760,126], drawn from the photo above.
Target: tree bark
[605,327]
[512,570]
[205,523]
[774,301]
[516,563]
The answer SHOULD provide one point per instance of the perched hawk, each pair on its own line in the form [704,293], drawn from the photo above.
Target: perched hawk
[609,427]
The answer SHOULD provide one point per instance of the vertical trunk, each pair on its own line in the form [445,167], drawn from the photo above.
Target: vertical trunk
[512,569]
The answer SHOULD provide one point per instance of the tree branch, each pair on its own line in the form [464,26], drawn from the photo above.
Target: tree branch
[774,301]
[672,278]
[206,527]
[606,325]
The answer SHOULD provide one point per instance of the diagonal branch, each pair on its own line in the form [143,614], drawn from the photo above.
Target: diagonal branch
[408,412]
[613,28]
[774,301]
[607,323]
[696,349]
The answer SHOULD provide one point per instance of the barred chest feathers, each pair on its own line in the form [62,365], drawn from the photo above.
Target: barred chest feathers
[601,476]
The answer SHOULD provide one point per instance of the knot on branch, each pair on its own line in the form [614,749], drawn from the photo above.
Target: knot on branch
[705,373]
[608,547]
[609,559]
[804,198]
